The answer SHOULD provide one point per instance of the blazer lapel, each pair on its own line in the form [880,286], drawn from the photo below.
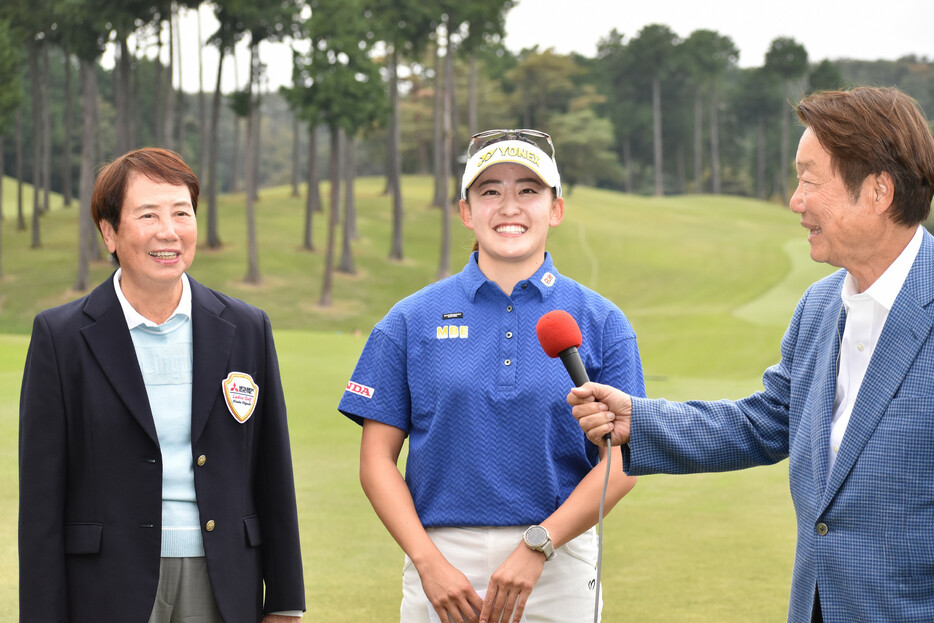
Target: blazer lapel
[212,338]
[833,322]
[108,338]
[905,331]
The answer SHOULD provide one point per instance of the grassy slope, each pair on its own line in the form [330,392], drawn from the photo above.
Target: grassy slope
[708,283]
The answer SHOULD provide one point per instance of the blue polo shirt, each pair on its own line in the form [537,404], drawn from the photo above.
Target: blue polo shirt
[459,368]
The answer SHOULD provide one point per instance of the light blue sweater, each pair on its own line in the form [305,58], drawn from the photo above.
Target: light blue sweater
[164,353]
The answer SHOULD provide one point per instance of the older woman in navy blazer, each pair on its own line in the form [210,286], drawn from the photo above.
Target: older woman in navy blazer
[91,466]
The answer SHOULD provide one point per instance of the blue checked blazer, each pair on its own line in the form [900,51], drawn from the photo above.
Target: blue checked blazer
[865,529]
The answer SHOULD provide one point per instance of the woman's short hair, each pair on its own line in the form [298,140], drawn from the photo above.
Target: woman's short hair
[159,165]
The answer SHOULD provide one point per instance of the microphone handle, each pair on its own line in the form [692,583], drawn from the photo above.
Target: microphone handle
[575,367]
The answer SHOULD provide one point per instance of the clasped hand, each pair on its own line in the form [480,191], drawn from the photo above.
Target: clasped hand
[455,600]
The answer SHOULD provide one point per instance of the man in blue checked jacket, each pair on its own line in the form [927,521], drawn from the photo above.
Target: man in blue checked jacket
[851,403]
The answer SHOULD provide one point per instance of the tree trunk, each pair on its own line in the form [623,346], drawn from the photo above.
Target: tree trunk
[681,168]
[657,135]
[46,129]
[36,79]
[202,104]
[390,80]
[396,251]
[325,300]
[423,147]
[157,95]
[783,163]
[180,92]
[235,168]
[698,141]
[66,141]
[313,198]
[760,160]
[453,165]
[214,239]
[86,183]
[628,165]
[350,218]
[134,98]
[440,167]
[444,261]
[472,96]
[257,113]
[170,85]
[122,95]
[715,140]
[350,176]
[296,154]
[20,218]
[252,273]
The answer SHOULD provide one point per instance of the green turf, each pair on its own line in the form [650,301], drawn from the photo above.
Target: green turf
[708,283]
[9,191]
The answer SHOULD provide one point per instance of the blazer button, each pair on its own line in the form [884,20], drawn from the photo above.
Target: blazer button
[822,529]
[209,526]
[202,460]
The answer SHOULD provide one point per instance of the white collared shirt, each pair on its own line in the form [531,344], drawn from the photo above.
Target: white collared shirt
[866,313]
[134,318]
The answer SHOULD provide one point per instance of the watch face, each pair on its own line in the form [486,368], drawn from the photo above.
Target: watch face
[536,536]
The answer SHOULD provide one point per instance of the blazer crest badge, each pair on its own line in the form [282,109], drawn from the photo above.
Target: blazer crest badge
[241,394]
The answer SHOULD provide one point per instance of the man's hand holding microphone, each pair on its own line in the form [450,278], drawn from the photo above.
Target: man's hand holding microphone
[600,410]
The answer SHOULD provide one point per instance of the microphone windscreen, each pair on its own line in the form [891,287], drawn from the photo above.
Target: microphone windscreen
[558,331]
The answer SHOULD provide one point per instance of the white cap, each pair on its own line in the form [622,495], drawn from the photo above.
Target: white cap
[517,152]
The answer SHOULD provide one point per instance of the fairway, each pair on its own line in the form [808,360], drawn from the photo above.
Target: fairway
[708,283]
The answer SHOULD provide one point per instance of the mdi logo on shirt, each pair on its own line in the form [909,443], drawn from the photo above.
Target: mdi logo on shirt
[451,331]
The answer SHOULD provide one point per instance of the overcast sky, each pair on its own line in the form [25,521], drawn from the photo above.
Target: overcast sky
[861,29]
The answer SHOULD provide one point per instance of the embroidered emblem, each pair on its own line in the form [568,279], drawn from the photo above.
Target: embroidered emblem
[548,279]
[360,390]
[452,315]
[241,394]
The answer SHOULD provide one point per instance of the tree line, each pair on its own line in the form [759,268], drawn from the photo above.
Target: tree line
[387,87]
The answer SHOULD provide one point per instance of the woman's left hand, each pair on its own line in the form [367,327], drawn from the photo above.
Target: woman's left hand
[511,584]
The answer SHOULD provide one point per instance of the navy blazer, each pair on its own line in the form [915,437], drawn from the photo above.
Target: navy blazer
[90,467]
[866,528]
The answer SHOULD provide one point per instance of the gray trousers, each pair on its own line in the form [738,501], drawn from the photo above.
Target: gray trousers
[184,593]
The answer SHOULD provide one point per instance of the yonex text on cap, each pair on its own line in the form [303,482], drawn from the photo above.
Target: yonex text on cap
[516,152]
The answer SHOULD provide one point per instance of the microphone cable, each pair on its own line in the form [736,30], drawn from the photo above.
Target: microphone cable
[606,482]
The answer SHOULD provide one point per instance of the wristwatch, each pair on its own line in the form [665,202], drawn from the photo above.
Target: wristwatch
[537,538]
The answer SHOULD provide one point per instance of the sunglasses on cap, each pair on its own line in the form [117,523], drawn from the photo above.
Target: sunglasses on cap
[536,137]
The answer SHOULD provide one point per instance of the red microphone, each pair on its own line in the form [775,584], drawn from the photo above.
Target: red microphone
[560,336]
